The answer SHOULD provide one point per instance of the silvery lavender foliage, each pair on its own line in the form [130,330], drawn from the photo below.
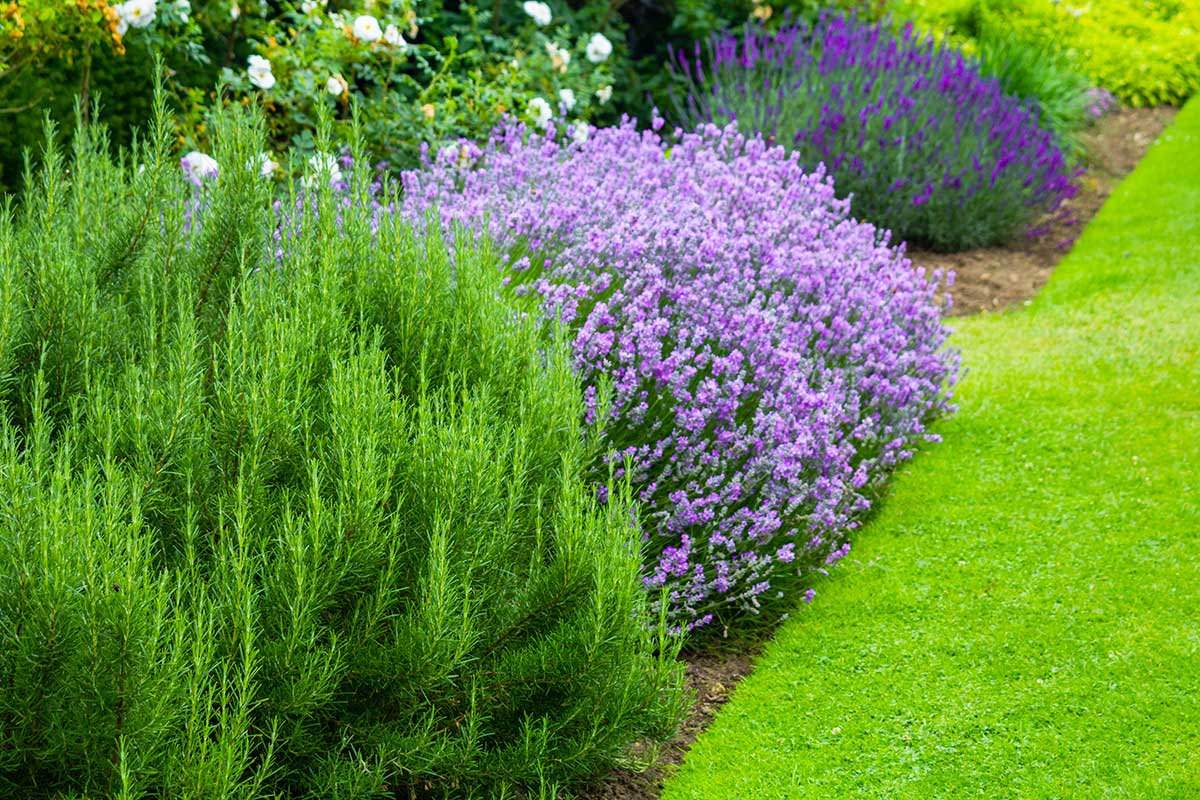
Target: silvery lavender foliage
[924,144]
[770,358]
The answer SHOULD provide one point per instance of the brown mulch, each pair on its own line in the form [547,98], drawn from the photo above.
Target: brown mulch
[995,278]
[988,279]
[711,677]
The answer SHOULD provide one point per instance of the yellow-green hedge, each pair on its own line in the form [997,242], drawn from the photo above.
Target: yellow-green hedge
[1147,52]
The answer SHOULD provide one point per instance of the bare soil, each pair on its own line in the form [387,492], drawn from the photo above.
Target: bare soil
[996,278]
[711,677]
[988,279]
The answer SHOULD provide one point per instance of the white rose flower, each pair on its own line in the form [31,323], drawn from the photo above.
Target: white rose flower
[260,72]
[135,14]
[540,12]
[598,49]
[567,97]
[604,94]
[559,57]
[322,165]
[199,166]
[309,6]
[540,111]
[366,29]
[234,11]
[183,8]
[336,85]
[392,36]
[579,132]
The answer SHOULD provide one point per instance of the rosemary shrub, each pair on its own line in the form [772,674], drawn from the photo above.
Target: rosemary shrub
[294,519]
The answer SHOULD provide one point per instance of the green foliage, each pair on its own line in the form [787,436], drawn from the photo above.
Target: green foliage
[1019,620]
[1147,52]
[33,31]
[655,27]
[433,73]
[1029,70]
[699,19]
[306,522]
[83,49]
[450,69]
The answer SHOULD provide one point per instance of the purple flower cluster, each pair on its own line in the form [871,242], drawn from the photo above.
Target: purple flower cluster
[1099,102]
[923,143]
[769,358]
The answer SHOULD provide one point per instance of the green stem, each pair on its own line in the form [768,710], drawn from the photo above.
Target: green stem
[450,58]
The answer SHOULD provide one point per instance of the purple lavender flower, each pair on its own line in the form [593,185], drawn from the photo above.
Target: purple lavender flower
[769,358]
[924,144]
[1099,101]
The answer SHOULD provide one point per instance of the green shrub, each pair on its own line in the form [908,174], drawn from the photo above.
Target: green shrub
[1147,52]
[427,72]
[52,51]
[294,518]
[430,71]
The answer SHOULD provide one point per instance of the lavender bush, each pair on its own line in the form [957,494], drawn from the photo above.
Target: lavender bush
[923,143]
[769,358]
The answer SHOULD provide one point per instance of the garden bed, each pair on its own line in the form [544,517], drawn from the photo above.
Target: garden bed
[995,278]
[1015,623]
[987,280]
[711,677]
[426,431]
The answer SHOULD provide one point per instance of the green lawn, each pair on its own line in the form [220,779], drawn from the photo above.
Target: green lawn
[1022,619]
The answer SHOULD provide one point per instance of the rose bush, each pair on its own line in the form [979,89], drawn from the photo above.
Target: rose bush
[423,72]
[417,71]
[53,53]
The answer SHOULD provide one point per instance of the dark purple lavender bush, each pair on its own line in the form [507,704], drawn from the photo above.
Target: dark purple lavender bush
[769,358]
[923,144]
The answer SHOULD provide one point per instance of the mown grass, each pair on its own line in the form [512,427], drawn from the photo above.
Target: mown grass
[1022,619]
